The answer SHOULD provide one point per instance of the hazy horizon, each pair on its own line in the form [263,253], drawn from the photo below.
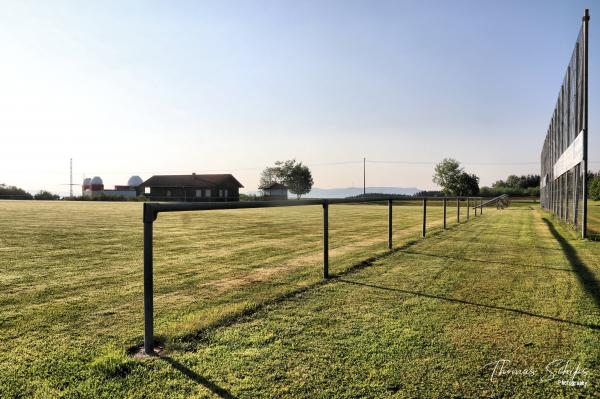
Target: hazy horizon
[143,88]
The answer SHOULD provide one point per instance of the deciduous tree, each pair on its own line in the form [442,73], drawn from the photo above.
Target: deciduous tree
[294,175]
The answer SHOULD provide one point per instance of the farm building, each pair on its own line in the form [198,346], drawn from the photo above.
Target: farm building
[274,191]
[94,188]
[222,187]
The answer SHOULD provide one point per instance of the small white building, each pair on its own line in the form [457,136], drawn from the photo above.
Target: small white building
[274,191]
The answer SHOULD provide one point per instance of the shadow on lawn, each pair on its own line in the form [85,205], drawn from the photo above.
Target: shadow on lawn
[214,388]
[584,275]
[503,263]
[483,305]
[229,319]
[236,317]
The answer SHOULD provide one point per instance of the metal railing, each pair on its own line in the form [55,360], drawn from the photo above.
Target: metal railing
[151,211]
[501,202]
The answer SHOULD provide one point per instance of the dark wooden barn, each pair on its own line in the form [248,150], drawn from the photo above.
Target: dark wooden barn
[193,187]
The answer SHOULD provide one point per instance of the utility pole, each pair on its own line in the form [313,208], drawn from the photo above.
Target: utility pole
[364,177]
[71,178]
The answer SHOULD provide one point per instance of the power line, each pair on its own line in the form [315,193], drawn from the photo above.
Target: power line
[463,163]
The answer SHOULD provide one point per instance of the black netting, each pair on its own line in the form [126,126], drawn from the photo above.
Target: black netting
[562,188]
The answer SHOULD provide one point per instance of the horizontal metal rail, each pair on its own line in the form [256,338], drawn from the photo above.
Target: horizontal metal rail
[152,209]
[493,200]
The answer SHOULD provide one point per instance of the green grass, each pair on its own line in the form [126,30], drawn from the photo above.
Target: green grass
[242,311]
[594,219]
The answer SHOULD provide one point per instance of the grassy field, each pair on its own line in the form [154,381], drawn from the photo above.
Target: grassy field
[242,311]
[594,219]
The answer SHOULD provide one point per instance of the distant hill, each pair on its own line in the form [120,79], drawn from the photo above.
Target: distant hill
[352,191]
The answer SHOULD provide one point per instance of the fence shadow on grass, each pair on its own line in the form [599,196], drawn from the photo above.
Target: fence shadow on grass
[465,302]
[187,341]
[586,278]
[502,263]
[192,375]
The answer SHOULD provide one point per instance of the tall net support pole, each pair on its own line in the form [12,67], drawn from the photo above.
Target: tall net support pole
[586,20]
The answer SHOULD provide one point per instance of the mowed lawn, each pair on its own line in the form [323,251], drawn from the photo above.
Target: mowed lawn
[594,219]
[242,311]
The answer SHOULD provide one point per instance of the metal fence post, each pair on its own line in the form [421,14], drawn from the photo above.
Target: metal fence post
[457,209]
[424,216]
[148,290]
[468,208]
[445,203]
[325,239]
[390,224]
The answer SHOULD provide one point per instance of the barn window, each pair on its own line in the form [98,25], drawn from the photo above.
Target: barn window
[207,192]
[198,193]
[225,193]
[168,193]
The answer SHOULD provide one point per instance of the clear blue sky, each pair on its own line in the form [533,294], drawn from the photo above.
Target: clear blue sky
[143,87]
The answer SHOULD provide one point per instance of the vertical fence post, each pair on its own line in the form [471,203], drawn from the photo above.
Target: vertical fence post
[468,208]
[389,224]
[424,216]
[457,209]
[325,239]
[445,203]
[481,206]
[148,300]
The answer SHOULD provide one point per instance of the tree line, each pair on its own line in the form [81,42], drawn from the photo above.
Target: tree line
[454,180]
[519,186]
[594,185]
[16,193]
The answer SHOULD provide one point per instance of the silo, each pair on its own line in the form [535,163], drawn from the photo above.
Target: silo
[87,184]
[97,184]
[134,182]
